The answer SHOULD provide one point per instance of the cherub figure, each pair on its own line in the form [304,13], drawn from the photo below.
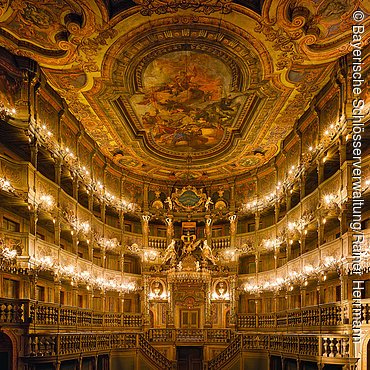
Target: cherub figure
[169,202]
[208,203]
[179,266]
[197,266]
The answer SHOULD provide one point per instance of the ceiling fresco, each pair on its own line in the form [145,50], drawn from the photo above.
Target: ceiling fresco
[186,104]
[175,90]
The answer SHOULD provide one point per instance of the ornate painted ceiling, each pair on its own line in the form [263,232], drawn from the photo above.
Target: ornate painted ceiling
[178,89]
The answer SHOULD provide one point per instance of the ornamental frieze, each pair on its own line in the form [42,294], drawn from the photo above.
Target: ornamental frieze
[150,7]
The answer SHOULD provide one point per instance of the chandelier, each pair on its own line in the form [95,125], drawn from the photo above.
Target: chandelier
[5,112]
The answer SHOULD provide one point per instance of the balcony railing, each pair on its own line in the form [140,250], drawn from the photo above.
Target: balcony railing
[336,346]
[221,242]
[326,315]
[62,344]
[365,311]
[52,316]
[223,336]
[14,311]
[157,242]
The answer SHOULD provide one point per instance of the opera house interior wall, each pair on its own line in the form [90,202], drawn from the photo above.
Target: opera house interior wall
[184,185]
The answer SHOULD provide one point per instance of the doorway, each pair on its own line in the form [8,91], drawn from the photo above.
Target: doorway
[189,319]
[189,358]
[6,351]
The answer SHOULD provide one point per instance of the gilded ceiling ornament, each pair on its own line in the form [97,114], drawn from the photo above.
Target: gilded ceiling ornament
[150,7]
[284,43]
[89,48]
[130,88]
[323,19]
[37,16]
[4,4]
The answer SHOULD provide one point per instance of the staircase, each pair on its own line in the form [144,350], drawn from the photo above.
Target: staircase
[154,356]
[227,355]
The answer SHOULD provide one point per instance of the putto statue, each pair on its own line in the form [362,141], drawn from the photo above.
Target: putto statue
[169,202]
[208,203]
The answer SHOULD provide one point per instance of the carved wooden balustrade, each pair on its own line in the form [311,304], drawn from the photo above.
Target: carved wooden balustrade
[221,242]
[153,354]
[14,311]
[161,335]
[301,319]
[365,311]
[209,336]
[336,346]
[227,355]
[64,344]
[190,335]
[44,345]
[157,242]
[50,316]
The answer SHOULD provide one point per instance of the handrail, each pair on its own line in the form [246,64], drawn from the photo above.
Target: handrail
[14,311]
[227,355]
[333,346]
[66,344]
[327,346]
[323,315]
[153,354]
[166,335]
[42,314]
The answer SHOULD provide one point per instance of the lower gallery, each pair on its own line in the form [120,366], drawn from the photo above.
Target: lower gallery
[184,185]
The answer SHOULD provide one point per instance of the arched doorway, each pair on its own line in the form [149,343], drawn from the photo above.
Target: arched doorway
[6,352]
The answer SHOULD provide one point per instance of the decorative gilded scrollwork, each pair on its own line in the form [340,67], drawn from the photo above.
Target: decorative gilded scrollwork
[283,43]
[150,7]
[189,198]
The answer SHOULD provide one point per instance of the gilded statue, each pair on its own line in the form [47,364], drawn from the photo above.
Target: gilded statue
[169,202]
[189,243]
[208,203]
[170,252]
[207,252]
